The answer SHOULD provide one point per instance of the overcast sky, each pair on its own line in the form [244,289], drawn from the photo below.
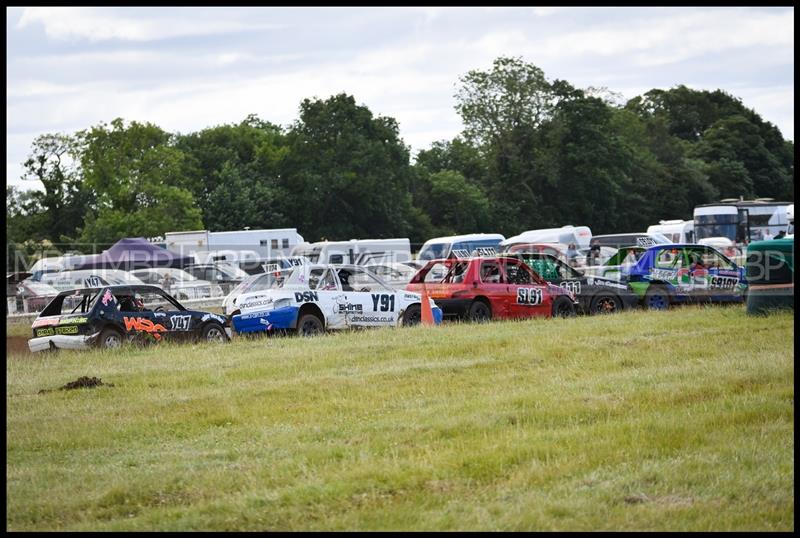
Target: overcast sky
[186,69]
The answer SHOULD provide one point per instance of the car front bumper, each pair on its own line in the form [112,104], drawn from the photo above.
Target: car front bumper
[266,320]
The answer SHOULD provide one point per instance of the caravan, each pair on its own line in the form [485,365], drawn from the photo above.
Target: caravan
[677,231]
[579,235]
[355,251]
[440,248]
[247,249]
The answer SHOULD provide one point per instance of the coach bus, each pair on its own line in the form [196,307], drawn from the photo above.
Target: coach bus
[740,220]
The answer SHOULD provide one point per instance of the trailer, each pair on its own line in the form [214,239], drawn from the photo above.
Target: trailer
[244,248]
[356,251]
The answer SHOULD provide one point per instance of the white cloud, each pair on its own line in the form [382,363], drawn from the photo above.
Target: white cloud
[407,73]
[100,24]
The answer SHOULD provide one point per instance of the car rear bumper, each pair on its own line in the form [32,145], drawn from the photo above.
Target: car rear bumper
[61,341]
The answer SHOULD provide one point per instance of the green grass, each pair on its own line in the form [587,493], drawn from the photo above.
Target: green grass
[678,420]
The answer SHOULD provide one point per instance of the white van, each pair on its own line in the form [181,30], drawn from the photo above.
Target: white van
[580,235]
[677,231]
[442,247]
[355,251]
[790,221]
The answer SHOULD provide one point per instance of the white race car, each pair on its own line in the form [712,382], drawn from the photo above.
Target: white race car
[313,298]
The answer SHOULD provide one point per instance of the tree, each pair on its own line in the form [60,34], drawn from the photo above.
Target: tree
[60,208]
[137,175]
[348,172]
[737,140]
[233,172]
[495,103]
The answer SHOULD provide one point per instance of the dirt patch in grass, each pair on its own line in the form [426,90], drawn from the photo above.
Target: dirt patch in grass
[17,345]
[82,382]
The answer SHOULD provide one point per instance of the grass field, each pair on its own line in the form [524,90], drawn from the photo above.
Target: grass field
[677,420]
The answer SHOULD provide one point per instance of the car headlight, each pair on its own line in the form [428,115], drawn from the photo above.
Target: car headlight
[282,303]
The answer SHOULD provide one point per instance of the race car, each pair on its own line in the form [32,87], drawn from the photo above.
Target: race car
[680,273]
[482,288]
[313,298]
[595,294]
[107,316]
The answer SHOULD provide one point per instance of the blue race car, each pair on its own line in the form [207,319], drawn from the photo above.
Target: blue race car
[679,273]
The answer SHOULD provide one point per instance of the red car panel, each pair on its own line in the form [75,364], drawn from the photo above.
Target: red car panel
[507,285]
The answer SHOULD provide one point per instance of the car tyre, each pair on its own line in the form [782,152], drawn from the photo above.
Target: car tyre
[310,325]
[656,298]
[480,311]
[563,307]
[605,303]
[412,315]
[110,338]
[214,332]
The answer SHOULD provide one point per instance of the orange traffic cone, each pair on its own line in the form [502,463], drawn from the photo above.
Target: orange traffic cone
[427,311]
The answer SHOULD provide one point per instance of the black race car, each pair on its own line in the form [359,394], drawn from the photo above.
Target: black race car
[594,294]
[107,316]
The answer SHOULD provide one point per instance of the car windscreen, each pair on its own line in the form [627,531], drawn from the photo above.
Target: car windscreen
[312,254]
[434,251]
[471,246]
[39,289]
[231,272]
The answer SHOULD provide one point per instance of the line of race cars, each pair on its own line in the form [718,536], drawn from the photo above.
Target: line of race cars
[310,299]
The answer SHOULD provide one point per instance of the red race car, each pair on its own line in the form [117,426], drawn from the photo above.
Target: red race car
[491,287]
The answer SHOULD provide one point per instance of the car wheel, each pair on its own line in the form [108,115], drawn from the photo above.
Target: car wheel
[480,311]
[563,307]
[309,325]
[412,315]
[605,303]
[656,298]
[214,332]
[109,338]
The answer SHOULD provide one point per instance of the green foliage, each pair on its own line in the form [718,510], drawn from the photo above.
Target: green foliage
[534,153]
[347,173]
[233,172]
[137,175]
[455,205]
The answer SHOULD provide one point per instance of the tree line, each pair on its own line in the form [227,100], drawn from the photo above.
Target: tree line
[533,153]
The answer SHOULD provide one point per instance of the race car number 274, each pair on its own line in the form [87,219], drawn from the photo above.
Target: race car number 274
[530,296]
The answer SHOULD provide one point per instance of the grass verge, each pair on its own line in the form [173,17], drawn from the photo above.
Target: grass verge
[678,420]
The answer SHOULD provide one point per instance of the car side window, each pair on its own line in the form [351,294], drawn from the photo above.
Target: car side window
[516,274]
[566,273]
[490,273]
[327,282]
[319,279]
[667,259]
[361,280]
[436,273]
[712,258]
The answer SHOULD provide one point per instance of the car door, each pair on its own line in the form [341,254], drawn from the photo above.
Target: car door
[177,323]
[494,287]
[527,294]
[365,301]
[724,277]
[138,318]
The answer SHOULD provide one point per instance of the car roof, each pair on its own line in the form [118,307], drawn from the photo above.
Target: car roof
[115,287]
[465,237]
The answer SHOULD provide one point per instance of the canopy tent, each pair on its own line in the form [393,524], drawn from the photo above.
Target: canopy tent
[132,253]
